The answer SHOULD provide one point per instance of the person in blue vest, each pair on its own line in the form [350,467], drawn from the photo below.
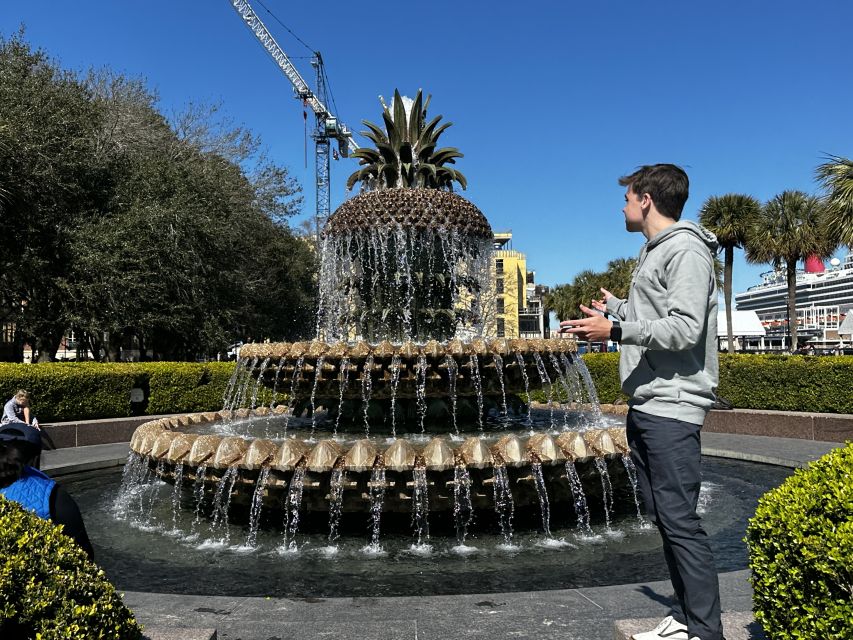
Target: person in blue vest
[20,445]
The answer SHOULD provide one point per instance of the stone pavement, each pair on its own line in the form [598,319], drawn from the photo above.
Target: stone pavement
[599,613]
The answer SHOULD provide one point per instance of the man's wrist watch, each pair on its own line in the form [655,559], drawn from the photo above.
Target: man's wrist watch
[616,332]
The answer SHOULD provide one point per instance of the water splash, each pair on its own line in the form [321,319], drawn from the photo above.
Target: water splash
[257,505]
[291,509]
[318,372]
[366,391]
[176,494]
[336,499]
[523,368]
[229,389]
[478,387]
[345,368]
[546,384]
[578,498]
[499,369]
[542,492]
[294,385]
[606,489]
[222,502]
[420,505]
[632,476]
[258,383]
[462,507]
[198,494]
[377,499]
[452,371]
[395,381]
[420,389]
[504,504]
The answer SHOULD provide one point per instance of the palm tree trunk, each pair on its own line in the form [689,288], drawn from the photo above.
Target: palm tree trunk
[792,302]
[727,294]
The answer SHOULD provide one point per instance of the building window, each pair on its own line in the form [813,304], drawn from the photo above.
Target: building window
[501,328]
[499,285]
[499,266]
[500,305]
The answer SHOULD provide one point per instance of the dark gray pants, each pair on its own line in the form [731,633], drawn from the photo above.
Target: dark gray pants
[667,455]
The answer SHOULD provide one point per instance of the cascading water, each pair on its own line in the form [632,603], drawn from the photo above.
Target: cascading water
[257,505]
[420,506]
[294,501]
[504,505]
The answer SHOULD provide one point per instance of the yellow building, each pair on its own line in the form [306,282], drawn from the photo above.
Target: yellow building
[518,311]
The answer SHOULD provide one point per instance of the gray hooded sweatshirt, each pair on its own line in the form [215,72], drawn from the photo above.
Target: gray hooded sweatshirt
[668,363]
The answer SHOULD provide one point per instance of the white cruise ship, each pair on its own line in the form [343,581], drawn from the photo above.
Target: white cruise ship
[824,297]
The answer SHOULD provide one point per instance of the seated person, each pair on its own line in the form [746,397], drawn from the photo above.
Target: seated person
[20,444]
[18,409]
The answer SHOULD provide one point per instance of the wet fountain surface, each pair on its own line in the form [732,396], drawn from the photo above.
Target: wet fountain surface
[152,546]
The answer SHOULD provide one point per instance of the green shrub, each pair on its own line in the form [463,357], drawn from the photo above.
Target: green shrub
[49,588]
[72,391]
[801,552]
[818,384]
[180,387]
[89,390]
[787,383]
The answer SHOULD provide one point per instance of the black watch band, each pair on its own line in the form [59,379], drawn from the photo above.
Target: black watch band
[616,333]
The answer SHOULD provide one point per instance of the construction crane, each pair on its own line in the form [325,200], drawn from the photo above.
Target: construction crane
[328,126]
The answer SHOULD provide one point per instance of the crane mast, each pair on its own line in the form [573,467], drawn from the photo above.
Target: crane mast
[327,128]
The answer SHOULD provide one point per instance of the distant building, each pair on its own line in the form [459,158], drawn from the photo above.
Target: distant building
[823,298]
[518,301]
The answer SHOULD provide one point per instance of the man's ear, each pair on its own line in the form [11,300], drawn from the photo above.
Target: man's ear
[646,202]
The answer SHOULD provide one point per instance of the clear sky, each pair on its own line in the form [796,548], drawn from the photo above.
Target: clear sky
[552,101]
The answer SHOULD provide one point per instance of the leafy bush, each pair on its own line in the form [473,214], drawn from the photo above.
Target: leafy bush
[89,390]
[819,384]
[787,383]
[801,552]
[49,588]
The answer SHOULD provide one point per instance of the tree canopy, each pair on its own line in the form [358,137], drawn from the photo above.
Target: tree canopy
[120,223]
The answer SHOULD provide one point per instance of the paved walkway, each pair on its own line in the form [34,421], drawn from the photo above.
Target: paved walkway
[570,614]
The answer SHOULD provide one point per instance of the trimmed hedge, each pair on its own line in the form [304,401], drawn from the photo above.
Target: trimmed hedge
[89,390]
[49,589]
[801,552]
[820,384]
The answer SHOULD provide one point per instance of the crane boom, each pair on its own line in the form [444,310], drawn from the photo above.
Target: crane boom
[326,121]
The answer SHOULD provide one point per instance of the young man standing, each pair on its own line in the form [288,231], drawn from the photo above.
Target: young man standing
[668,366]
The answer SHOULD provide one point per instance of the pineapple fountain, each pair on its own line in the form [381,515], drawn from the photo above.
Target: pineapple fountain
[400,404]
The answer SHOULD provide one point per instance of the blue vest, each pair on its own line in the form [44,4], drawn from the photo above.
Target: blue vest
[32,491]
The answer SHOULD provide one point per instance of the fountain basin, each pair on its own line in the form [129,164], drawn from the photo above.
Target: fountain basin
[171,448]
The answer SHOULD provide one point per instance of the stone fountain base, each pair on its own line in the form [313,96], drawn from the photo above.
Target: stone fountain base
[352,467]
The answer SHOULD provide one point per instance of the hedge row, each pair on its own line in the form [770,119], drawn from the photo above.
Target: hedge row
[801,552]
[48,587]
[819,384]
[88,390]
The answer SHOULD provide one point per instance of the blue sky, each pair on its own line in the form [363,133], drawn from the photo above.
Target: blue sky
[552,101]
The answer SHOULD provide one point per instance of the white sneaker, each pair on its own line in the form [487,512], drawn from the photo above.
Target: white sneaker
[668,629]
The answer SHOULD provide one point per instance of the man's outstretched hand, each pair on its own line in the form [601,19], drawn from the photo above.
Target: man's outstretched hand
[594,328]
[601,305]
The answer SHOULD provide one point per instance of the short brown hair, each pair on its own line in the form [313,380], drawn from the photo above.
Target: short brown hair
[667,184]
[22,394]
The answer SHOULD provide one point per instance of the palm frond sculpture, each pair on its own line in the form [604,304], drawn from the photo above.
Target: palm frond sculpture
[406,152]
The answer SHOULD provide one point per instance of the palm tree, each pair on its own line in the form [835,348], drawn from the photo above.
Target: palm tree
[406,153]
[729,217]
[617,277]
[836,176]
[789,229]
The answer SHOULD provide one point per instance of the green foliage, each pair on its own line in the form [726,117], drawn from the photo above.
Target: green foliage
[565,299]
[90,390]
[172,234]
[192,387]
[405,153]
[787,383]
[819,384]
[72,391]
[49,589]
[801,552]
[836,177]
